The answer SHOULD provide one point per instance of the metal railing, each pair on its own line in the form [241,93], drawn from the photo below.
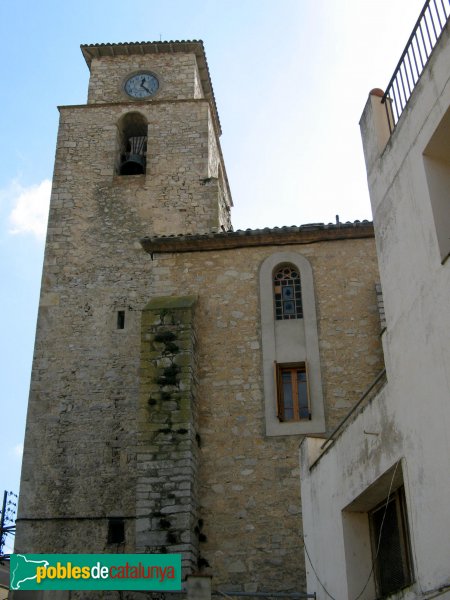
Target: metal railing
[426,33]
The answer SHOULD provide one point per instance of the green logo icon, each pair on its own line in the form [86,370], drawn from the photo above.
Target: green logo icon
[155,572]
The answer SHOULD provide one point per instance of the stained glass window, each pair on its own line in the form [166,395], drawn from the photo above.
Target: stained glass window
[287,293]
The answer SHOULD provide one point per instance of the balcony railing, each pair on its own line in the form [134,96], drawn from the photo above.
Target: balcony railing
[426,33]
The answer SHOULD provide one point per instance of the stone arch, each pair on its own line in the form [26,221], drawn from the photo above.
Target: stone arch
[132,143]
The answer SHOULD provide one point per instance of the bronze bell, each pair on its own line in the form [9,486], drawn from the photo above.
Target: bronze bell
[133,161]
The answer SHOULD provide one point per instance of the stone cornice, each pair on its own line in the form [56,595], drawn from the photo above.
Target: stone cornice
[137,104]
[278,236]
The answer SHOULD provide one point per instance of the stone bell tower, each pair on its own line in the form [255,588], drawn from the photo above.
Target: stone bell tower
[142,157]
[151,111]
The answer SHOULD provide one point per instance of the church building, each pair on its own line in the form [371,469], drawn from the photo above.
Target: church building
[178,363]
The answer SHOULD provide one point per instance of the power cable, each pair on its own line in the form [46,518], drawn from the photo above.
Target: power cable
[315,572]
[412,534]
[381,531]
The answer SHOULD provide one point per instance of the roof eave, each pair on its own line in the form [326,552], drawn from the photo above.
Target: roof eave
[305,234]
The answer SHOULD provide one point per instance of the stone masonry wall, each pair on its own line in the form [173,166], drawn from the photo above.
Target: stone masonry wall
[171,198]
[167,447]
[249,496]
[177,74]
[249,504]
[79,466]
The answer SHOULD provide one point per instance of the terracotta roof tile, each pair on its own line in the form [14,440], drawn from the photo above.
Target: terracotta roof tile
[302,234]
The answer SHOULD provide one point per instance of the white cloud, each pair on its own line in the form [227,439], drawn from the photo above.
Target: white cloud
[30,212]
[18,450]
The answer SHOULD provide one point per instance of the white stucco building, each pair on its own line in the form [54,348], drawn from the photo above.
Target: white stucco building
[375,497]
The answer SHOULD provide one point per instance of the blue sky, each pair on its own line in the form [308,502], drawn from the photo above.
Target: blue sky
[290,78]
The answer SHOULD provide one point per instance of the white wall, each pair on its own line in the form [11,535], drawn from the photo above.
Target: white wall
[410,418]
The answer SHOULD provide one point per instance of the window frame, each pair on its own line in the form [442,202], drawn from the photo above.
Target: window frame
[279,286]
[293,368]
[288,341]
[404,556]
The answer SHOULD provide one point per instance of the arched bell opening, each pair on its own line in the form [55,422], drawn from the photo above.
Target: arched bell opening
[132,145]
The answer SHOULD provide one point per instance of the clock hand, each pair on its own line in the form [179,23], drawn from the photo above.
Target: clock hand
[145,87]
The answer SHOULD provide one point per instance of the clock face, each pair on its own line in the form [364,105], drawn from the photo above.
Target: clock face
[141,85]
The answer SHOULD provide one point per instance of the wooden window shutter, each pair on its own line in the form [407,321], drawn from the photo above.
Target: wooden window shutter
[307,389]
[278,391]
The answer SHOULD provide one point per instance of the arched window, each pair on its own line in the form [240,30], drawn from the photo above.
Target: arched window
[293,397]
[132,144]
[287,293]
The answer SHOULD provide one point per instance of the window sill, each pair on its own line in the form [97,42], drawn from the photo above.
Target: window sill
[274,427]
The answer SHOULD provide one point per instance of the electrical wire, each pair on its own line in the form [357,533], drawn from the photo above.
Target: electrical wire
[315,572]
[381,531]
[411,533]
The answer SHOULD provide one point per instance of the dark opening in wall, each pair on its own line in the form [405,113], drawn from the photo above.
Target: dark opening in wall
[116,531]
[132,145]
[437,168]
[121,319]
[391,545]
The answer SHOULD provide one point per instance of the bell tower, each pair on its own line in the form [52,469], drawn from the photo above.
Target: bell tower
[154,106]
[141,158]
